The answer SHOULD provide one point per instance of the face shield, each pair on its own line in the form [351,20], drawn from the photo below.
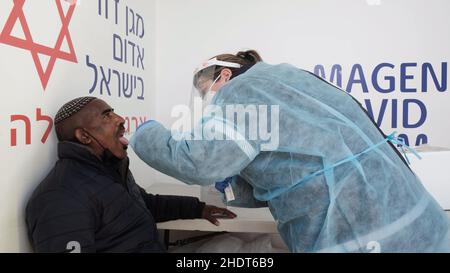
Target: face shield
[205,76]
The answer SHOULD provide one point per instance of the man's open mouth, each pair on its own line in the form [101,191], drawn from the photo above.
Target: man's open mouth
[122,139]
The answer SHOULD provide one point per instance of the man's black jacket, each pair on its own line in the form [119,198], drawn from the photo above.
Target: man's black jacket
[93,206]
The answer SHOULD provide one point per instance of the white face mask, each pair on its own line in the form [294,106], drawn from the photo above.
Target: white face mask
[214,82]
[207,99]
[209,95]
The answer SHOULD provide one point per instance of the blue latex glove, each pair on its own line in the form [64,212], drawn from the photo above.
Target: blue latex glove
[220,186]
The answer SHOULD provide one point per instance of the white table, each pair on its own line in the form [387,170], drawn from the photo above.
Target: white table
[258,220]
[248,220]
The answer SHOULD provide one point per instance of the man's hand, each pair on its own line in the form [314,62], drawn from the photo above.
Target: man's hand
[211,213]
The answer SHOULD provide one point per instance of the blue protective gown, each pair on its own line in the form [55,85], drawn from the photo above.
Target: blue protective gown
[334,183]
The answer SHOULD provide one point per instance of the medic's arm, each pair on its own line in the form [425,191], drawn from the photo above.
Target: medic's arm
[201,162]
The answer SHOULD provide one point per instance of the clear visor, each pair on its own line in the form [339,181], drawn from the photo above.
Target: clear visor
[205,76]
[204,80]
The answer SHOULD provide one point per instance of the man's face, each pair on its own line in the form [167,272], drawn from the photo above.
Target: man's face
[106,127]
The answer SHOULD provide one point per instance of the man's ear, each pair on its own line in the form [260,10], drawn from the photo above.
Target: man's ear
[82,136]
[226,74]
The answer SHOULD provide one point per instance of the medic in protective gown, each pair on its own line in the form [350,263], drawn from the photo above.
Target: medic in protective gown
[334,182]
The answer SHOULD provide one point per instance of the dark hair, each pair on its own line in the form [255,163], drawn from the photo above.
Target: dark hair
[245,58]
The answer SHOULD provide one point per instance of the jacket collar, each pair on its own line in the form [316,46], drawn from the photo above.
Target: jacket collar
[81,153]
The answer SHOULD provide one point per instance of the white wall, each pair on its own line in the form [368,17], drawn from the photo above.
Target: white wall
[308,33]
[23,165]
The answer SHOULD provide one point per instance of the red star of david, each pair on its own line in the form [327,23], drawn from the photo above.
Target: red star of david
[35,49]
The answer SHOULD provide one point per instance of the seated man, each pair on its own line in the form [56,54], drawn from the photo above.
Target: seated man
[89,201]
